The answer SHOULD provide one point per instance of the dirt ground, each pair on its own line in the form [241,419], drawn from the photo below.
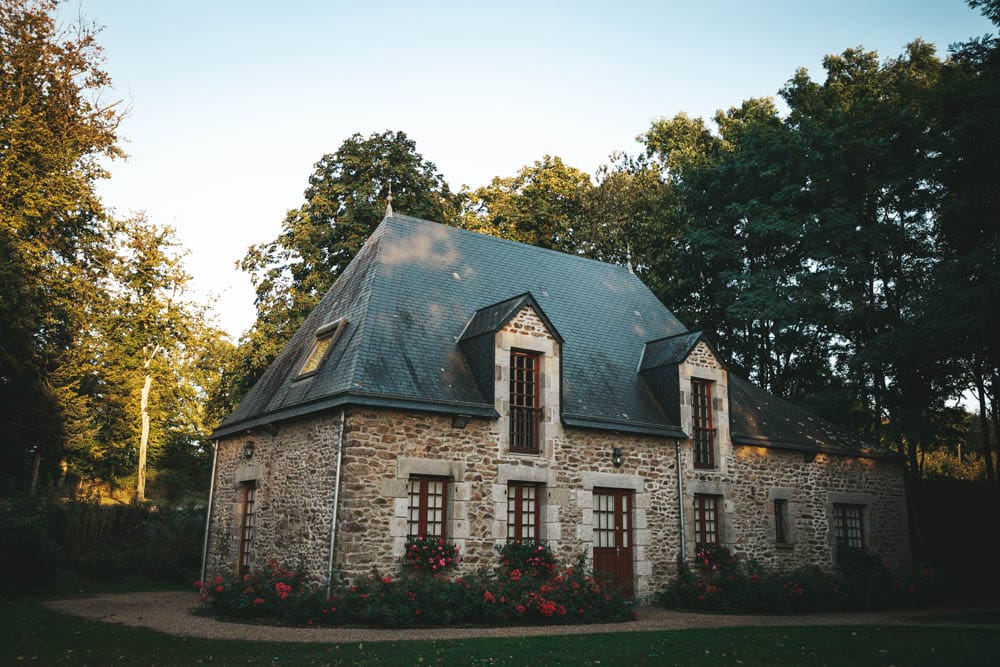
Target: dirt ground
[171,612]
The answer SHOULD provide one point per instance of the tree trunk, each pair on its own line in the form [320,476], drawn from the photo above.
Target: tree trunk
[140,485]
[36,463]
[984,423]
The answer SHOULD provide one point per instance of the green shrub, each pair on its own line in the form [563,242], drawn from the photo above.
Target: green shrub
[28,548]
[716,581]
[51,540]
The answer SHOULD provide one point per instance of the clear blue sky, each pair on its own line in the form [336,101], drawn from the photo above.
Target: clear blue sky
[232,102]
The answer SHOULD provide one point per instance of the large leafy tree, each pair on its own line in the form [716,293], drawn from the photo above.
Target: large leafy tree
[964,308]
[54,130]
[344,202]
[737,270]
[869,232]
[543,204]
[809,242]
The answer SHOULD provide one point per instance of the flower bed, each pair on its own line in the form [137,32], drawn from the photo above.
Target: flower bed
[716,581]
[528,587]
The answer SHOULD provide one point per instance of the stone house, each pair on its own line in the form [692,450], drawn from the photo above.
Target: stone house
[456,385]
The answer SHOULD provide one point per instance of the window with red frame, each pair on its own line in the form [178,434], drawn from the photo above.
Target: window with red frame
[247,501]
[706,519]
[704,431]
[522,512]
[427,515]
[848,525]
[781,521]
[525,409]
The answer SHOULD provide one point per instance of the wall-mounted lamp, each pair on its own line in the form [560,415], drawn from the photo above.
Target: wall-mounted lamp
[248,450]
[617,458]
[459,421]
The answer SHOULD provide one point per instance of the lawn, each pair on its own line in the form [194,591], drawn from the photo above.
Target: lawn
[34,634]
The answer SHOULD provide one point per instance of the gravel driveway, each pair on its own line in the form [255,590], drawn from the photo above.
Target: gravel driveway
[171,612]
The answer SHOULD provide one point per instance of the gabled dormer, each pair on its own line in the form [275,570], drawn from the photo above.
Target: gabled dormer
[692,384]
[514,351]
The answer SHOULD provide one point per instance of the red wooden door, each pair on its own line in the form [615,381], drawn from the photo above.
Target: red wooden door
[613,536]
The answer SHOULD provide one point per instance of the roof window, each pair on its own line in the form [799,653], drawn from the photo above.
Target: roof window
[326,338]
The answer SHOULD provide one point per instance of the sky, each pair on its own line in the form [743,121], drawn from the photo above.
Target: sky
[231,103]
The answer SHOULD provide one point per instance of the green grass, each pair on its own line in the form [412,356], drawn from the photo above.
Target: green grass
[34,634]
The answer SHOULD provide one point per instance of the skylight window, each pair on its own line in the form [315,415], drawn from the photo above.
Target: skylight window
[326,338]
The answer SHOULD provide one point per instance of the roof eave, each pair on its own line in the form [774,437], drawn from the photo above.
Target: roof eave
[641,428]
[361,399]
[863,452]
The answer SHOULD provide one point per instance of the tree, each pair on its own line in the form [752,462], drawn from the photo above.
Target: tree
[142,371]
[964,308]
[543,205]
[346,199]
[54,130]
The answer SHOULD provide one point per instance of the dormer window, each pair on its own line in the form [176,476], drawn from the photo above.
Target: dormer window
[326,338]
[702,425]
[525,409]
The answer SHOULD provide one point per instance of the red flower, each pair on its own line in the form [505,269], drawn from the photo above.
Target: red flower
[515,575]
[386,580]
[520,608]
[219,589]
[259,601]
[488,597]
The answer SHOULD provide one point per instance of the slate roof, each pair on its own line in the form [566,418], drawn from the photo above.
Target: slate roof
[416,288]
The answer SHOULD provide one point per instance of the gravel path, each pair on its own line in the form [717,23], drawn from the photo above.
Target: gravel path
[170,612]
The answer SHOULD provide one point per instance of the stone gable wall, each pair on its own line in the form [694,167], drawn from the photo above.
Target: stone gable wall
[294,471]
[702,357]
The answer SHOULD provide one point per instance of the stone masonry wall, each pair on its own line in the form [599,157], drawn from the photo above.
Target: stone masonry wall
[293,470]
[384,447]
[811,488]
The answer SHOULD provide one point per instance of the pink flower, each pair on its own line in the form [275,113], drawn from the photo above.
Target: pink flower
[520,608]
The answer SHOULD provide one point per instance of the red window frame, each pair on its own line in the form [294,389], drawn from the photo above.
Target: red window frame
[706,519]
[849,525]
[702,424]
[781,521]
[525,401]
[523,511]
[427,514]
[247,502]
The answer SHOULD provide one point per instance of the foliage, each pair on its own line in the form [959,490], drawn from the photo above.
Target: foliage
[542,205]
[527,557]
[429,555]
[49,541]
[273,592]
[54,131]
[717,581]
[543,592]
